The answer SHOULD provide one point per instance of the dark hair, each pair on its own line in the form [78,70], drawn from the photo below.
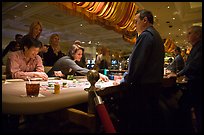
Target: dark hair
[31,42]
[146,13]
[78,42]
[17,36]
[74,48]
[178,49]
[46,45]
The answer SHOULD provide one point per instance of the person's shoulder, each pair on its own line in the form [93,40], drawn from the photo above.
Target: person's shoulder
[146,34]
[50,50]
[25,36]
[15,53]
[200,44]
[64,58]
[12,42]
[38,57]
[150,31]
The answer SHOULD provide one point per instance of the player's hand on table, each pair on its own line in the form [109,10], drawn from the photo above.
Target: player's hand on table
[116,83]
[42,75]
[172,74]
[103,77]
[58,73]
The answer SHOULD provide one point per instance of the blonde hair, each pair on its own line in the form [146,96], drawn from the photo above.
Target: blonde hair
[52,36]
[32,27]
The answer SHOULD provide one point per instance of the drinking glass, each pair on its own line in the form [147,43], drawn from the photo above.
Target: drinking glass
[32,89]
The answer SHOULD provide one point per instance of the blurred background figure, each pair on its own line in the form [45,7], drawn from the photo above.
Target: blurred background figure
[43,49]
[192,96]
[103,60]
[178,63]
[184,54]
[54,51]
[12,46]
[35,31]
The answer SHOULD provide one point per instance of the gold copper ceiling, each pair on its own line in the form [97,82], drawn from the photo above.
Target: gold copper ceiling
[117,16]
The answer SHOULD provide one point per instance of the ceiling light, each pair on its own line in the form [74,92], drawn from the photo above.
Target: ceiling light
[169,33]
[155,16]
[81,25]
[168,7]
[26,6]
[173,18]
[179,29]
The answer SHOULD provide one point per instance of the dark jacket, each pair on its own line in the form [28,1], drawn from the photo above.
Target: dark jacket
[50,57]
[67,66]
[177,64]
[193,67]
[147,59]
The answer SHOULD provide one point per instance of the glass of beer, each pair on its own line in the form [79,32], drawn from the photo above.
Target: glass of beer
[32,89]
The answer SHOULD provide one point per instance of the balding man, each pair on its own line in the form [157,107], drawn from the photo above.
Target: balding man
[192,97]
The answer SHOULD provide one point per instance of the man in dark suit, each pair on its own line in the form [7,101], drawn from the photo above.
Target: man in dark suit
[192,97]
[178,63]
[144,78]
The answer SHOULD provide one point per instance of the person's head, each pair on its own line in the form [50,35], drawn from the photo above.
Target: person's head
[14,46]
[194,34]
[177,50]
[18,38]
[54,39]
[170,60]
[104,51]
[76,52]
[35,29]
[31,47]
[78,42]
[143,19]
[44,48]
